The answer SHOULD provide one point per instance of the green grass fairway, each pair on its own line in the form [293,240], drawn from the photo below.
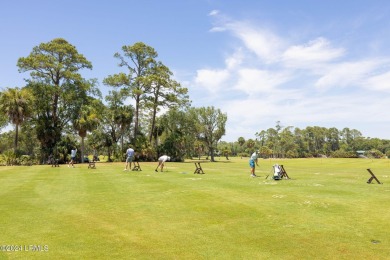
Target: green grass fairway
[326,211]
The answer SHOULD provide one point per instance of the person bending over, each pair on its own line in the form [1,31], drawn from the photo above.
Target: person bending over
[161,162]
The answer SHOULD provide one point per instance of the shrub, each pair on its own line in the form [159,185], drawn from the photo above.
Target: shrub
[374,153]
[292,154]
[243,154]
[343,154]
[25,160]
[10,157]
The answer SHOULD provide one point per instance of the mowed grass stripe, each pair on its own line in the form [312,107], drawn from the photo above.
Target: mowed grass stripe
[105,212]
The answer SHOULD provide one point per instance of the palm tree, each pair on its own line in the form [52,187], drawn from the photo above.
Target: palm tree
[88,120]
[123,119]
[16,103]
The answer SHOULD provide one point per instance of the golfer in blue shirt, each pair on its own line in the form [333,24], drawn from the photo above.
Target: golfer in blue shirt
[252,162]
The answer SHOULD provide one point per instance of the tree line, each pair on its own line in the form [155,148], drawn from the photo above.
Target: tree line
[312,141]
[58,109]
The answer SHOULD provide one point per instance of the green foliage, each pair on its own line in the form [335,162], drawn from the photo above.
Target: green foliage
[343,154]
[265,152]
[291,154]
[6,140]
[57,86]
[88,120]
[250,144]
[210,125]
[26,160]
[149,83]
[2,160]
[139,60]
[314,141]
[117,118]
[243,154]
[179,125]
[241,141]
[63,148]
[16,105]
[164,93]
[375,153]
[3,120]
[55,62]
[10,157]
[174,146]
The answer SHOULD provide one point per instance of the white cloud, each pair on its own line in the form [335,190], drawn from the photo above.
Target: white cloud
[316,51]
[347,74]
[379,82]
[218,29]
[246,117]
[265,44]
[214,13]
[212,80]
[235,60]
[254,81]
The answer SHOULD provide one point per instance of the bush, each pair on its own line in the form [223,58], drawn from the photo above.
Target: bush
[25,160]
[10,158]
[374,153]
[2,160]
[243,154]
[343,154]
[292,154]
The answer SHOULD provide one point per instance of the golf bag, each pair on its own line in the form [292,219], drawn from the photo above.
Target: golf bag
[277,172]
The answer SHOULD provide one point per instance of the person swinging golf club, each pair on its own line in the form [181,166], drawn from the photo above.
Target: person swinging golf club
[252,162]
[72,157]
[161,162]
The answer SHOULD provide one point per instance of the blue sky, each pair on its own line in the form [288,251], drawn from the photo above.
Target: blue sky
[303,62]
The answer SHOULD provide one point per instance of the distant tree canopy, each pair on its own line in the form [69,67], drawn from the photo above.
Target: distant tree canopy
[313,141]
